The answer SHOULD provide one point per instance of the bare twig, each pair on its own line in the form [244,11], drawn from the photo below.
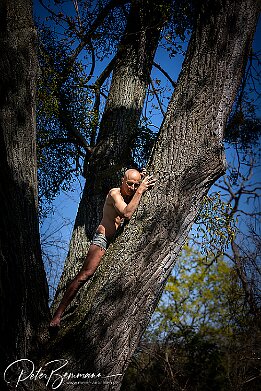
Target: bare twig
[173,83]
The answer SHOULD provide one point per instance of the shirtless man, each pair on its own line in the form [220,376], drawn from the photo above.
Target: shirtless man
[120,203]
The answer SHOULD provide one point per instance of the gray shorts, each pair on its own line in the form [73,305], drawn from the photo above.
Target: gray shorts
[100,240]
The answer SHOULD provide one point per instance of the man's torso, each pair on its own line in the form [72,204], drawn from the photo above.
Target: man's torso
[110,219]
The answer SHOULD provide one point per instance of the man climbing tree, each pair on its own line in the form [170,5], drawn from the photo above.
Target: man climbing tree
[120,204]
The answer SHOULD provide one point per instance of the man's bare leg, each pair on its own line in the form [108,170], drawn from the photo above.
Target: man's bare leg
[91,263]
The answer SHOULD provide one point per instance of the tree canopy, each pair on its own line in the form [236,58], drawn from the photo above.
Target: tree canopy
[78,49]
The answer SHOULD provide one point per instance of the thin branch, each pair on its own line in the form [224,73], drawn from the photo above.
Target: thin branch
[80,139]
[93,62]
[75,3]
[58,16]
[243,278]
[60,140]
[64,117]
[105,74]
[97,89]
[86,39]
[174,84]
[254,214]
[157,97]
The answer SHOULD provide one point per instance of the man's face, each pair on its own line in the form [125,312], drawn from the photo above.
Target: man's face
[130,182]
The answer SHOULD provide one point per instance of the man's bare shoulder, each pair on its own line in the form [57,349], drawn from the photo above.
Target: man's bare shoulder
[115,190]
[115,193]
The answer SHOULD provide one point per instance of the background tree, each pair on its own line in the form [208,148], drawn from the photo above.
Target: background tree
[183,348]
[24,292]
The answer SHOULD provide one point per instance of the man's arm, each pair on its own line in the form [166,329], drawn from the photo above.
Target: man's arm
[127,210]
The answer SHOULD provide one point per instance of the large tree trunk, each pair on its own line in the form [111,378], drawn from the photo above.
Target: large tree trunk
[24,291]
[119,125]
[113,311]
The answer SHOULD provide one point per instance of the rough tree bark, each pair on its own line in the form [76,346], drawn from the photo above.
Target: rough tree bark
[113,311]
[119,125]
[23,287]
